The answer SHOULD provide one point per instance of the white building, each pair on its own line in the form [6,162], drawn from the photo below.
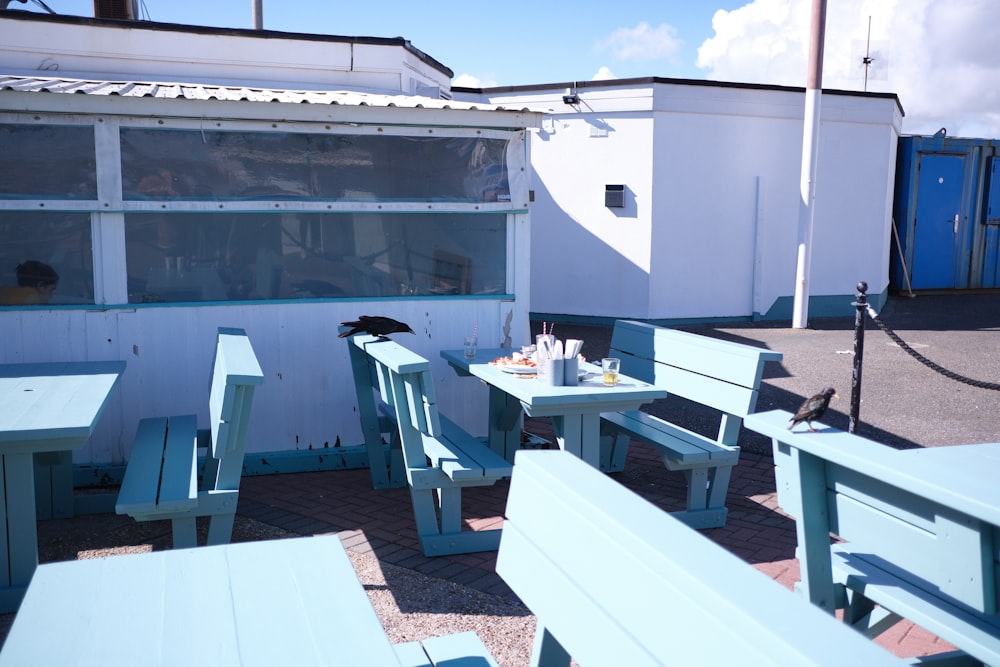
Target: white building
[181,179]
[706,227]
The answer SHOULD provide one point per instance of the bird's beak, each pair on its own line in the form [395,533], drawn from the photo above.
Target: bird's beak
[836,395]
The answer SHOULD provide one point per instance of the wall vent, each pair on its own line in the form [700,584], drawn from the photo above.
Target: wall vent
[614,196]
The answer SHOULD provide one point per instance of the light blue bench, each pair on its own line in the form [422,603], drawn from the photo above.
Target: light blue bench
[439,458]
[918,533]
[722,375]
[613,580]
[161,477]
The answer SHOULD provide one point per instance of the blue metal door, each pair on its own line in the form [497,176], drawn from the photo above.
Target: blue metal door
[937,223]
[991,227]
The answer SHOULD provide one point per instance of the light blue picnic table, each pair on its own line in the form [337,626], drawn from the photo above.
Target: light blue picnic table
[44,408]
[294,601]
[575,411]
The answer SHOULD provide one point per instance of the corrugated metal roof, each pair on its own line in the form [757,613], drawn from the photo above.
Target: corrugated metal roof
[195,91]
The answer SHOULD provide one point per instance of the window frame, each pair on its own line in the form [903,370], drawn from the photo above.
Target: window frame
[109,209]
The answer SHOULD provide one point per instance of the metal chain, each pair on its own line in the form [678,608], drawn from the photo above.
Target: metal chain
[924,360]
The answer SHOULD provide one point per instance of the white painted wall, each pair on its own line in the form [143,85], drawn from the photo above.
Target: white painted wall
[712,198]
[307,400]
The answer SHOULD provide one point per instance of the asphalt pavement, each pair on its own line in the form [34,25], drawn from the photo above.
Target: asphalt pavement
[903,401]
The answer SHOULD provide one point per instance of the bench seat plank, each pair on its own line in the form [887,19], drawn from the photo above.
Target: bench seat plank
[489,464]
[141,482]
[179,482]
[877,579]
[682,446]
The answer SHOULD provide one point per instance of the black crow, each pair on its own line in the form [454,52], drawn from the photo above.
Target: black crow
[813,408]
[376,326]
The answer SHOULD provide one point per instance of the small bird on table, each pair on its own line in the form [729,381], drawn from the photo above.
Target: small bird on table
[376,326]
[813,408]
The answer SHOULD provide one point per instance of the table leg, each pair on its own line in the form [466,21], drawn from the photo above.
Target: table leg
[506,423]
[20,539]
[580,435]
[54,484]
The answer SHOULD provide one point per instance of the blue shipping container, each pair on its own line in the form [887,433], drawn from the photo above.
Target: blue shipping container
[947,214]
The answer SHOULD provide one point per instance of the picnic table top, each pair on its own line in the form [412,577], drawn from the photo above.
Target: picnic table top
[590,395]
[292,601]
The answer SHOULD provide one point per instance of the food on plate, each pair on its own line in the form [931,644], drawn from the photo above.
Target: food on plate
[517,362]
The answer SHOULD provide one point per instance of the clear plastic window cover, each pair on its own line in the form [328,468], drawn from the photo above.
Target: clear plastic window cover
[47,162]
[196,257]
[45,258]
[197,164]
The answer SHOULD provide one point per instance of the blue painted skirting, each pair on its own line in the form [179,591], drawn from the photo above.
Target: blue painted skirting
[782,309]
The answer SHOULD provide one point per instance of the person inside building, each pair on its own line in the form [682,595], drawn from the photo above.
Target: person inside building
[36,282]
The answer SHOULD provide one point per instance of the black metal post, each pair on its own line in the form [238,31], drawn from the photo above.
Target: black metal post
[859,352]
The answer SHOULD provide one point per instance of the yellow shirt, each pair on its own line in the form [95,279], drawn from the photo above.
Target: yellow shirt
[21,296]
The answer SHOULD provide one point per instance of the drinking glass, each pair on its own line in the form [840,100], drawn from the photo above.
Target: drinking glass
[610,367]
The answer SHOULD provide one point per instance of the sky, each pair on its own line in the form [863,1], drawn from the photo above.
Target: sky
[938,56]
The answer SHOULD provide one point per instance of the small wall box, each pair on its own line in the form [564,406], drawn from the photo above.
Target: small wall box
[614,196]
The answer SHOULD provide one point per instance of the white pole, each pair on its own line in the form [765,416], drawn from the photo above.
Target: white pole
[258,14]
[810,159]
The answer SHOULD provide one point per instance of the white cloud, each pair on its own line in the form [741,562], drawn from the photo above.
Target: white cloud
[642,43]
[938,56]
[471,81]
[603,74]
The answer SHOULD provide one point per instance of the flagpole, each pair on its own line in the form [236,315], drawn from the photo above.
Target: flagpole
[810,159]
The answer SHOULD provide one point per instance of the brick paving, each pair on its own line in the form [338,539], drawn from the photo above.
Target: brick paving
[380,522]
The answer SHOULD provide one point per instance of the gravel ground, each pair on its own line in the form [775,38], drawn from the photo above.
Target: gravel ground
[410,605]
[442,607]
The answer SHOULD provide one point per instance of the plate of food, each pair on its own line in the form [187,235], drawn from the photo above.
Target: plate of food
[517,365]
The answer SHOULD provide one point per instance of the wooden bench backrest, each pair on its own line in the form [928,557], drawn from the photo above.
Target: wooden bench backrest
[616,581]
[404,384]
[888,503]
[720,374]
[235,374]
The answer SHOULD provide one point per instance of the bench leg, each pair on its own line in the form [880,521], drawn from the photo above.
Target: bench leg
[447,537]
[450,508]
[441,517]
[220,529]
[697,491]
[185,532]
[862,615]
[397,467]
[370,428]
[614,449]
[425,511]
